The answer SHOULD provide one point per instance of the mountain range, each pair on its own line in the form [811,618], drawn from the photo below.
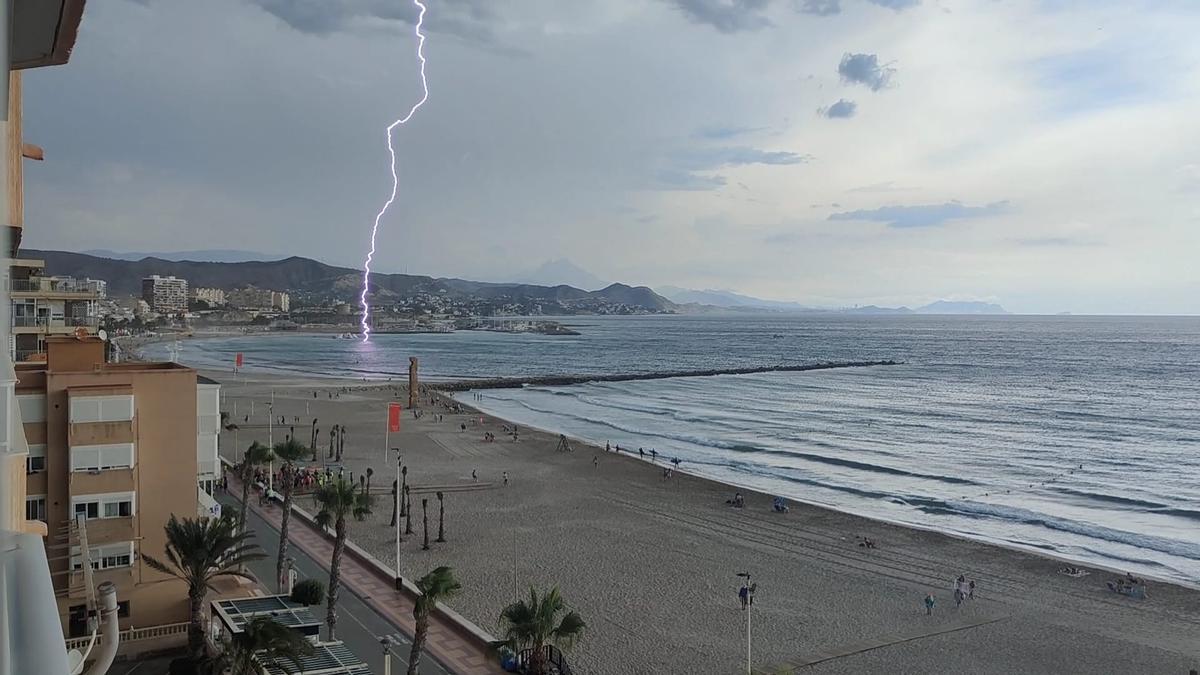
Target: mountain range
[206,255]
[316,281]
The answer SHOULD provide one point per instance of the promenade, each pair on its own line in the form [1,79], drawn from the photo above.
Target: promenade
[446,649]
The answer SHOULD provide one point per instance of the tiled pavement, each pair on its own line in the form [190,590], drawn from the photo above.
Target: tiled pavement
[445,643]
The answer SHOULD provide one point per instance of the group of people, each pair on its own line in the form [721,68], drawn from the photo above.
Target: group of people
[1128,585]
[964,589]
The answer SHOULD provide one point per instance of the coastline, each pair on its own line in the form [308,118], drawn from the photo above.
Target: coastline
[733,486]
[616,534]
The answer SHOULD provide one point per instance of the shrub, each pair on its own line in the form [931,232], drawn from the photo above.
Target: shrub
[309,592]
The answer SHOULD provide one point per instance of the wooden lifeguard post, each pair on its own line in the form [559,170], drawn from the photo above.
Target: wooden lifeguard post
[412,382]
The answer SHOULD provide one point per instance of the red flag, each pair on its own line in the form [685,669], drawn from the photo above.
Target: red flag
[394,417]
[238,361]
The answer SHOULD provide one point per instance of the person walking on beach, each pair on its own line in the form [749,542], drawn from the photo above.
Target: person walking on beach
[474,476]
[971,590]
[595,461]
[929,601]
[744,596]
[505,478]
[960,590]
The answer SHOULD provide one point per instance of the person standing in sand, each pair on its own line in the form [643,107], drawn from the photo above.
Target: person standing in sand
[596,461]
[505,478]
[929,601]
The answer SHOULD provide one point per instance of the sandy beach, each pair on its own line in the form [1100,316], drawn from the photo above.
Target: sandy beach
[650,563]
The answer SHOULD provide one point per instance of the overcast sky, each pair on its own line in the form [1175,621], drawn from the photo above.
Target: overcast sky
[1044,154]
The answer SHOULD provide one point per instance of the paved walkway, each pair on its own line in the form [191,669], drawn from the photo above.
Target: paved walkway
[877,643]
[444,643]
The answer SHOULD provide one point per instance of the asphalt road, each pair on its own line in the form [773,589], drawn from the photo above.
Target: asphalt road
[359,626]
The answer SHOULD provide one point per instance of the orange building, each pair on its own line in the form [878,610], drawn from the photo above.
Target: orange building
[120,445]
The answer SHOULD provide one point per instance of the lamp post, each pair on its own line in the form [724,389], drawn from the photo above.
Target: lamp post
[399,462]
[271,444]
[749,606]
[387,655]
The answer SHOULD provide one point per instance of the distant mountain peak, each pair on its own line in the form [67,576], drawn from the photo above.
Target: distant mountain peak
[961,307]
[561,272]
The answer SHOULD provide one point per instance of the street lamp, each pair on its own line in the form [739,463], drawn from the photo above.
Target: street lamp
[386,643]
[749,606]
[399,462]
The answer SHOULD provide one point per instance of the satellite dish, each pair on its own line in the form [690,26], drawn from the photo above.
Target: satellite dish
[74,660]
[103,335]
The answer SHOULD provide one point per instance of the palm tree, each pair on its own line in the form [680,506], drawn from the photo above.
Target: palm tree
[256,455]
[332,439]
[289,452]
[425,517]
[441,518]
[263,641]
[338,500]
[341,442]
[435,587]
[533,624]
[199,550]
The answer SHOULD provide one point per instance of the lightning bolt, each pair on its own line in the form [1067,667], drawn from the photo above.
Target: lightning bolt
[366,315]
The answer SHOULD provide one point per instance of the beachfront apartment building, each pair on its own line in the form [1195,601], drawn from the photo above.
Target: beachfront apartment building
[214,297]
[42,306]
[122,447]
[165,295]
[262,299]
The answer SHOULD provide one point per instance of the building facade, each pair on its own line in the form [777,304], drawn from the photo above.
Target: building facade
[166,295]
[118,448]
[261,299]
[215,297]
[43,306]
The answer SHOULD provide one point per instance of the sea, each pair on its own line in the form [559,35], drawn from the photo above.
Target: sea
[1074,436]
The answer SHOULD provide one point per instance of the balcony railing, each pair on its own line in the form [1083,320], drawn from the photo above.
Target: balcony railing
[40,285]
[55,322]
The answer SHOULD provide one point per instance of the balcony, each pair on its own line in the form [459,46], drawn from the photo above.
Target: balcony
[67,289]
[57,324]
[102,531]
[101,482]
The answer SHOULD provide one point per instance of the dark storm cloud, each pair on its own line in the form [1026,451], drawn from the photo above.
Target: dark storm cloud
[727,16]
[843,109]
[925,215]
[818,7]
[470,19]
[865,69]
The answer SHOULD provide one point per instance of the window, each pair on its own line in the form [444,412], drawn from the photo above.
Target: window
[35,507]
[101,408]
[36,461]
[33,407]
[115,505]
[105,557]
[101,457]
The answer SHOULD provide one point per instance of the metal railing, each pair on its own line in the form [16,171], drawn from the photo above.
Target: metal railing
[135,634]
[42,285]
[55,322]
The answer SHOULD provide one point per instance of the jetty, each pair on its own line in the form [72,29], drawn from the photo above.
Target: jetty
[559,380]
